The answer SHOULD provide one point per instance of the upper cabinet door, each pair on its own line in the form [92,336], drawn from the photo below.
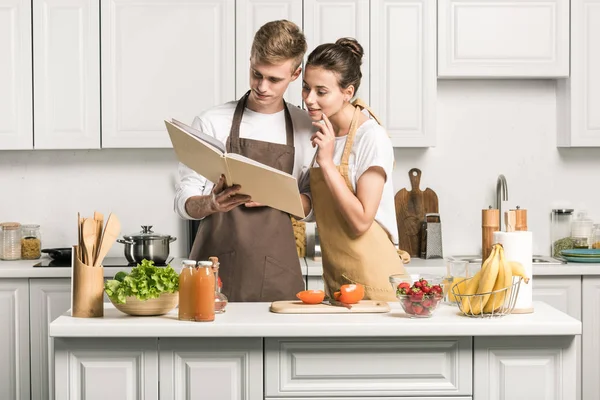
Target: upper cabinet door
[578,98]
[66,45]
[403,69]
[250,16]
[161,60]
[503,38]
[325,21]
[16,121]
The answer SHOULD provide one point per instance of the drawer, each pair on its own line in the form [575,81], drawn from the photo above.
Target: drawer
[354,367]
[374,398]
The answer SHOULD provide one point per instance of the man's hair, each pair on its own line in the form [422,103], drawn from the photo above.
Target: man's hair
[278,41]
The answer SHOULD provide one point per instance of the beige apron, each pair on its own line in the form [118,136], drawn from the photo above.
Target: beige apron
[369,259]
[256,246]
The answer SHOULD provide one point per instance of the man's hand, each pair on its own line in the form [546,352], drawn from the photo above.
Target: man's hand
[225,198]
[254,204]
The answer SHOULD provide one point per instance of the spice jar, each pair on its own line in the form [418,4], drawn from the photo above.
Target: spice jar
[31,242]
[561,230]
[11,240]
[596,237]
[220,299]
[581,231]
[187,291]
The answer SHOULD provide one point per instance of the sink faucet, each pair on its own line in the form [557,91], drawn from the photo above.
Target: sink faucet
[501,195]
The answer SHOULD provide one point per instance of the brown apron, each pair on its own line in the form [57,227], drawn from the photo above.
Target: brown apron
[256,246]
[369,259]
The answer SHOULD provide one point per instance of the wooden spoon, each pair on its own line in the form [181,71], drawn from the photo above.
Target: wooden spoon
[110,235]
[89,240]
[99,218]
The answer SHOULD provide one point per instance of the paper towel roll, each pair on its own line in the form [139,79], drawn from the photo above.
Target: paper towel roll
[518,246]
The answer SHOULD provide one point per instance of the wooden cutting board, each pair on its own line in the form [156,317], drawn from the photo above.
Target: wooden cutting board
[411,207]
[298,307]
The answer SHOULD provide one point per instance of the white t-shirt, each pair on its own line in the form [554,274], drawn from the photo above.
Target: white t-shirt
[372,147]
[265,127]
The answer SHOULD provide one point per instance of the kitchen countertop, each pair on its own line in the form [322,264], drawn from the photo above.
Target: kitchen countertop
[112,265]
[438,266]
[310,267]
[255,320]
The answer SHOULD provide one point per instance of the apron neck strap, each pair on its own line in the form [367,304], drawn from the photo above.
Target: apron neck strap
[234,132]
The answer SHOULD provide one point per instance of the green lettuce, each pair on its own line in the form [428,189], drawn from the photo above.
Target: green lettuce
[145,281]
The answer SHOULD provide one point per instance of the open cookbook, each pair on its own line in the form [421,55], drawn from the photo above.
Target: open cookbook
[209,158]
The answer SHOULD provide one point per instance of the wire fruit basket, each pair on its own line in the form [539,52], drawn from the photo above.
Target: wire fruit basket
[505,298]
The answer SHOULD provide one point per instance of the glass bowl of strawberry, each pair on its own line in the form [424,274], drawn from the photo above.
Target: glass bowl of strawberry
[419,295]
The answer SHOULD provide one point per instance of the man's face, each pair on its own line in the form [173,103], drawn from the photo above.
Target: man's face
[268,83]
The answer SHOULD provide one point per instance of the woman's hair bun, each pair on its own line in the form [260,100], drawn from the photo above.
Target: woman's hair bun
[352,45]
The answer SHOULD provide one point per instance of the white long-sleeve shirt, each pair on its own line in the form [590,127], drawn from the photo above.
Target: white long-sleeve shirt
[265,127]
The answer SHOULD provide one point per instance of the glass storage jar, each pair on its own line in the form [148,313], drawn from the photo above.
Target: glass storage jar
[11,240]
[581,231]
[31,242]
[560,230]
[596,237]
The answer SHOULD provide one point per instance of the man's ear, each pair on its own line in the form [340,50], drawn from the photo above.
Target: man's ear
[296,73]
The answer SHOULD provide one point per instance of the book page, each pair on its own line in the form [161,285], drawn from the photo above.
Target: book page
[266,185]
[201,135]
[197,154]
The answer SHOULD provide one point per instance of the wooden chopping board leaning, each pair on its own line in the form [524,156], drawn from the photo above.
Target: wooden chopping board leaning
[411,207]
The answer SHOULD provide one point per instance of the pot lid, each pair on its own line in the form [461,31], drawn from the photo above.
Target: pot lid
[145,233]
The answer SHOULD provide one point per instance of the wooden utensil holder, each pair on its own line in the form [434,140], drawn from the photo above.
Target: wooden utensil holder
[87,289]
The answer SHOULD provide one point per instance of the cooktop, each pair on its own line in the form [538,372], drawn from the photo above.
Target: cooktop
[109,262]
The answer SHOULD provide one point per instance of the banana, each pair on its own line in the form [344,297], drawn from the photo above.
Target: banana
[503,281]
[487,281]
[474,284]
[518,270]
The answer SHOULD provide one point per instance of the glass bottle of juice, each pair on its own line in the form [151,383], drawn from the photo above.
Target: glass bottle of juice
[204,278]
[187,291]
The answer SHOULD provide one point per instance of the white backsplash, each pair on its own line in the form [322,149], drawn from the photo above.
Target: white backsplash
[485,128]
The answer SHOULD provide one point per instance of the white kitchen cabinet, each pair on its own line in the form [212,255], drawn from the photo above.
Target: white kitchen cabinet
[561,292]
[66,80]
[315,283]
[591,337]
[116,369]
[578,98]
[250,16]
[325,21]
[403,69]
[162,60]
[503,38]
[532,368]
[14,339]
[49,298]
[348,367]
[210,368]
[16,123]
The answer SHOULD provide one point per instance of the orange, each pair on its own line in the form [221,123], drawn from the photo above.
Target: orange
[311,296]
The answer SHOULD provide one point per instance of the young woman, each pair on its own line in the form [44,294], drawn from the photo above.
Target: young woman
[352,191]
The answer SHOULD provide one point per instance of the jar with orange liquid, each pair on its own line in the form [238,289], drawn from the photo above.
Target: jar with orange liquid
[204,279]
[187,291]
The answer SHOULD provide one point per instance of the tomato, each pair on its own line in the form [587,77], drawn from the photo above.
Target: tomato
[350,294]
[311,296]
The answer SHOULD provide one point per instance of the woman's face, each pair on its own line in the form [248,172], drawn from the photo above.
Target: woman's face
[321,93]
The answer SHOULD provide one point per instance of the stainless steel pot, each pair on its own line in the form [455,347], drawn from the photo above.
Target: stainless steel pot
[147,245]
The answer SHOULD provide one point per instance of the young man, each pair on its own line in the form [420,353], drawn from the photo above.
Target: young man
[255,244]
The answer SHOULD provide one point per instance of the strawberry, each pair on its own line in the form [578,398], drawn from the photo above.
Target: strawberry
[417,308]
[417,295]
[423,282]
[418,284]
[426,289]
[425,311]
[437,289]
[409,291]
[427,302]
[404,285]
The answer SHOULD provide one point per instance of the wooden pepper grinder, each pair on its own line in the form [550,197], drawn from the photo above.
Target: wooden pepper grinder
[489,225]
[521,219]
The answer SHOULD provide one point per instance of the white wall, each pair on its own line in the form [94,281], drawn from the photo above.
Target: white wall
[485,128]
